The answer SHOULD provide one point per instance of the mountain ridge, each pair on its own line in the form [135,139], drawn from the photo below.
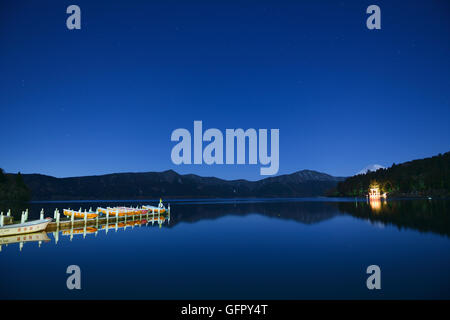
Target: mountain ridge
[170,184]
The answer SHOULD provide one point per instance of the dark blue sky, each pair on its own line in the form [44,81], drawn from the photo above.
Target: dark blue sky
[106,98]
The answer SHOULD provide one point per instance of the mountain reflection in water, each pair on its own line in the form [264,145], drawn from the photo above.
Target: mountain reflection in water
[422,215]
[318,248]
[82,232]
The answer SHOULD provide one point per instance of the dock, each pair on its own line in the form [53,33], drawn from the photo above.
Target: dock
[70,226]
[105,220]
[71,222]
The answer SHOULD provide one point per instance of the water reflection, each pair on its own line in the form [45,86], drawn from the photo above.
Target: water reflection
[303,210]
[309,212]
[88,229]
[38,237]
[375,204]
[422,215]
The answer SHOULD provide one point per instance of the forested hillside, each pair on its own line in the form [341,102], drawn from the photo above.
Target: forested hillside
[424,177]
[13,188]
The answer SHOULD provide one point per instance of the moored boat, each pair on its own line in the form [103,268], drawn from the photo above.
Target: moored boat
[159,209]
[153,209]
[121,211]
[27,227]
[80,214]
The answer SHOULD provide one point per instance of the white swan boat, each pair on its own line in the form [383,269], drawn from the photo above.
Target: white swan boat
[27,227]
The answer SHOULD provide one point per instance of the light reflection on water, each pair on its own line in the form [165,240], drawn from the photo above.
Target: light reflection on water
[260,249]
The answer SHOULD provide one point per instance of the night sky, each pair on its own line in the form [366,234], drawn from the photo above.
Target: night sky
[106,98]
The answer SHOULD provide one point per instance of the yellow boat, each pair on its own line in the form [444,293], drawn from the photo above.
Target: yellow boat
[153,209]
[121,211]
[80,214]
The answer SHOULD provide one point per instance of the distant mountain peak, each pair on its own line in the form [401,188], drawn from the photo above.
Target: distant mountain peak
[371,168]
[313,175]
[170,171]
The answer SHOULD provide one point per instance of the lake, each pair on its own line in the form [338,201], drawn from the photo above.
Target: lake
[309,248]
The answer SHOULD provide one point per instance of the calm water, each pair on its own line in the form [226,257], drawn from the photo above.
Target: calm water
[260,249]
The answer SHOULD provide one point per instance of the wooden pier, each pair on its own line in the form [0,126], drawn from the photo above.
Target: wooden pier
[79,223]
[71,222]
[6,219]
[71,226]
